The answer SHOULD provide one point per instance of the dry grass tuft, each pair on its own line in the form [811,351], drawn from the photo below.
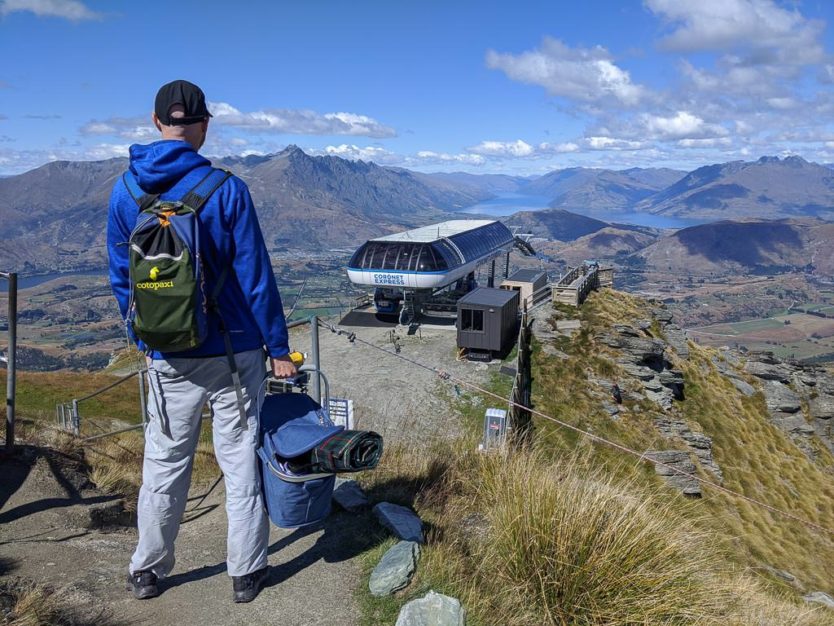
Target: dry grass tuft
[557,542]
[26,603]
[116,463]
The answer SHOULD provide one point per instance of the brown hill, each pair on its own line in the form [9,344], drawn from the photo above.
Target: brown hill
[752,246]
[607,243]
[554,224]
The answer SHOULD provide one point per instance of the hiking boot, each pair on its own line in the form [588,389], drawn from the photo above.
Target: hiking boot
[143,585]
[246,587]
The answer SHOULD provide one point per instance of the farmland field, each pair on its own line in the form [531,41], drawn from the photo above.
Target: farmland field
[796,336]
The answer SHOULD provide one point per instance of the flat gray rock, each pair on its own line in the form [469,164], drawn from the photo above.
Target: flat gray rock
[676,336]
[768,371]
[678,470]
[822,407]
[817,597]
[401,521]
[395,569]
[433,609]
[780,398]
[744,387]
[349,495]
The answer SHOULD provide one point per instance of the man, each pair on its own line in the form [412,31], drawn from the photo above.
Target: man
[182,382]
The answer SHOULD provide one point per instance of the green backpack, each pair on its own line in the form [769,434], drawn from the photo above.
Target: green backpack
[169,307]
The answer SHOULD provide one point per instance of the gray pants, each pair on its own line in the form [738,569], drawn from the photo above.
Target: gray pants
[179,388]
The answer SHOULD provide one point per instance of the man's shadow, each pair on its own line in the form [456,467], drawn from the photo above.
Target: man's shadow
[345,536]
[17,469]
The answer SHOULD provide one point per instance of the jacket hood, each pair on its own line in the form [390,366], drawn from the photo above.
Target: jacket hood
[159,165]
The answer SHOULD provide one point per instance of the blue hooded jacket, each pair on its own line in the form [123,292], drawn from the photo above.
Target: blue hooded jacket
[249,301]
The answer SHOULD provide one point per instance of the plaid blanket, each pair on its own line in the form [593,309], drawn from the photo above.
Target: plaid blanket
[346,451]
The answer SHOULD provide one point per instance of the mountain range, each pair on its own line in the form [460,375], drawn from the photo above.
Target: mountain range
[53,217]
[770,187]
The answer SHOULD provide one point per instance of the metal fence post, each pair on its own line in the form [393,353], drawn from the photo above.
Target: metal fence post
[314,348]
[76,419]
[11,362]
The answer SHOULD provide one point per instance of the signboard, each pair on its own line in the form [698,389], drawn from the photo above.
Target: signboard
[341,412]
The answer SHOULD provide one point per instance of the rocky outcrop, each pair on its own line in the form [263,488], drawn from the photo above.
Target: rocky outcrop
[677,469]
[799,398]
[643,358]
[395,569]
[401,521]
[699,444]
[675,335]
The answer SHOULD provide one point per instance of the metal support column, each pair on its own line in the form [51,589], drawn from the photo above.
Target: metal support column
[11,361]
[507,265]
[491,279]
[314,348]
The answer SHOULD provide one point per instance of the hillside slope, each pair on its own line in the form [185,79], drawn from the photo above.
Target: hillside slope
[746,246]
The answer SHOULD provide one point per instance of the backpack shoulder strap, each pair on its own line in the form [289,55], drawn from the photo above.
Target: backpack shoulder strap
[202,191]
[142,199]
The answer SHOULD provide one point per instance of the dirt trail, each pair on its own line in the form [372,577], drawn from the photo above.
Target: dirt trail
[313,572]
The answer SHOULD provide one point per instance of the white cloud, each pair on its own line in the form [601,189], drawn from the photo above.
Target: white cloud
[612,143]
[105,151]
[585,74]
[783,103]
[726,24]
[558,148]
[67,9]
[444,157]
[683,124]
[714,142]
[516,148]
[367,153]
[299,121]
[679,126]
[133,128]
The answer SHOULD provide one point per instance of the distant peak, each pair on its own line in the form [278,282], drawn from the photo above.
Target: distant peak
[789,160]
[291,150]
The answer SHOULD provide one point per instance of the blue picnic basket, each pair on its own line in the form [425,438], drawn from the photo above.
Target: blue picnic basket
[291,425]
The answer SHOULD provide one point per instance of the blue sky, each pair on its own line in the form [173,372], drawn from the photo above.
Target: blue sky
[486,87]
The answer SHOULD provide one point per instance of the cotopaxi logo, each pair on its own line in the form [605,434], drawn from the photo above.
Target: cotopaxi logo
[159,284]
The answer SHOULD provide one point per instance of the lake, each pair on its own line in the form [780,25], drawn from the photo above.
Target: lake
[506,204]
[25,281]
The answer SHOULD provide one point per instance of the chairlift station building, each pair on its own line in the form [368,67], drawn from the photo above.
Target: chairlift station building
[429,257]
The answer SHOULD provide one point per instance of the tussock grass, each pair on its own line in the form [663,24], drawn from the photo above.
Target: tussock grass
[116,463]
[526,539]
[558,542]
[761,461]
[31,604]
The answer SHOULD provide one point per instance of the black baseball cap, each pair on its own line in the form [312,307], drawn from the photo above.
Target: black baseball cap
[189,95]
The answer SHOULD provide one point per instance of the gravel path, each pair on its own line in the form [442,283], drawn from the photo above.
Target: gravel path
[312,581]
[397,399]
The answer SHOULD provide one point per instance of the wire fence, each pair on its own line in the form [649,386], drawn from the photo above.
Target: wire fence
[518,416]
